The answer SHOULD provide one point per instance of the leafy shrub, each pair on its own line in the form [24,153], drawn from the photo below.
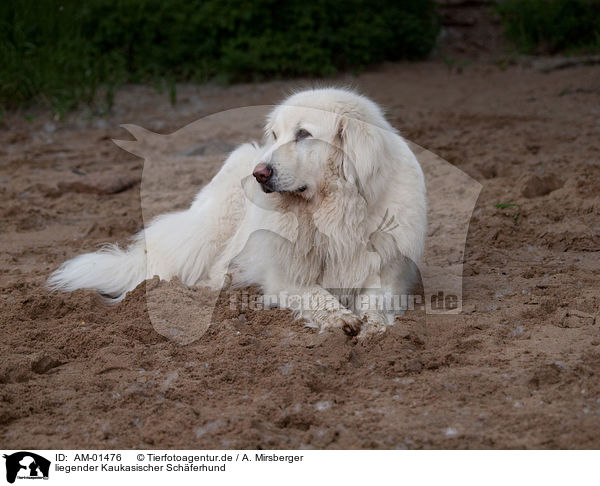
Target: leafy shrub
[552,25]
[63,52]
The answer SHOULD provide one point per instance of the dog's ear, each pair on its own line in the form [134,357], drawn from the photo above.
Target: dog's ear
[363,151]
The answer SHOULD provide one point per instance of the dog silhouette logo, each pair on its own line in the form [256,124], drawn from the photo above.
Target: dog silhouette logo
[27,465]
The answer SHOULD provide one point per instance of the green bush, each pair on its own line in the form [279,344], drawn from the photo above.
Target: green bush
[550,26]
[61,53]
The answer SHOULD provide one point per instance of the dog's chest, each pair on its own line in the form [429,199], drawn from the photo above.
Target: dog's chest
[337,260]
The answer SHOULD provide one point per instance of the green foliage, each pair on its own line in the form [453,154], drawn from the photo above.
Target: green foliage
[62,53]
[510,205]
[552,25]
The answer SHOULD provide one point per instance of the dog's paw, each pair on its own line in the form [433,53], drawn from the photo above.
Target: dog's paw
[372,330]
[349,323]
[374,323]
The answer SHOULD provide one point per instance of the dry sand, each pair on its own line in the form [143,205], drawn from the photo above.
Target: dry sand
[519,368]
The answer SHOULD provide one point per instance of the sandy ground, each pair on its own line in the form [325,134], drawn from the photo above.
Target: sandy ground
[519,368]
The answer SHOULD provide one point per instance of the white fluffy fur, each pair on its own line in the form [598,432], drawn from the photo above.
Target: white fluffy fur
[358,224]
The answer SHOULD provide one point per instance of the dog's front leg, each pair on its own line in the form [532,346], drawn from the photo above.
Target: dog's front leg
[374,304]
[385,294]
[317,305]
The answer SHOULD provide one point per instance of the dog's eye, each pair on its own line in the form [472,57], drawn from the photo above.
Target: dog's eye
[274,136]
[302,134]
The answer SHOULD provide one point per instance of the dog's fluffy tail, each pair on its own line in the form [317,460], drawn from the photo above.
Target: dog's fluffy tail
[185,244]
[112,271]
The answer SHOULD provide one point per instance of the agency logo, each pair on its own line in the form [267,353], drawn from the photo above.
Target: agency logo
[26,465]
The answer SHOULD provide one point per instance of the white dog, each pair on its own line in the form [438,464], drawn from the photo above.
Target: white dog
[332,203]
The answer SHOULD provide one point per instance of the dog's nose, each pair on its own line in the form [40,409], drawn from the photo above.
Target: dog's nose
[263,173]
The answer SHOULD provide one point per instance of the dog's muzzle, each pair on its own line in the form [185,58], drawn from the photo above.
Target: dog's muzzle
[263,174]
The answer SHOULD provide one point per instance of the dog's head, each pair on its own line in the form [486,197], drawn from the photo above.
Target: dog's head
[318,137]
